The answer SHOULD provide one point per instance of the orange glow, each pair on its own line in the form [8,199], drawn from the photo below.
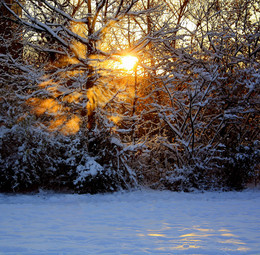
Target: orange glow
[72,126]
[128,62]
[156,235]
[115,119]
[65,126]
[45,83]
[79,49]
[73,97]
[58,112]
[50,105]
[57,123]
[47,106]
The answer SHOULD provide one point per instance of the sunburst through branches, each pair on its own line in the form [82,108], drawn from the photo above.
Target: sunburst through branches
[65,101]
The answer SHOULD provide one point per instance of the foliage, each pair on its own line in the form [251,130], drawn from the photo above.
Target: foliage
[186,117]
[210,107]
[33,159]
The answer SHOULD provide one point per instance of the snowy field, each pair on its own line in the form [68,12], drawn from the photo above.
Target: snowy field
[138,222]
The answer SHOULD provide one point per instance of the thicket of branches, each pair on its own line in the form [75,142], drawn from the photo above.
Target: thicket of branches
[186,117]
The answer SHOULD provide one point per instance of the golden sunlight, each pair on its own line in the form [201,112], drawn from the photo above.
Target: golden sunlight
[128,62]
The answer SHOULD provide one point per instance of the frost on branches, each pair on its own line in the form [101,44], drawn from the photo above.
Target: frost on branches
[74,118]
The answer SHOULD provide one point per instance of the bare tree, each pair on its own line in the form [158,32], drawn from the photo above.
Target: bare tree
[187,115]
[209,95]
[65,71]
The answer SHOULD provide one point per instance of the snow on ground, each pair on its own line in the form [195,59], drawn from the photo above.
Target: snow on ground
[137,222]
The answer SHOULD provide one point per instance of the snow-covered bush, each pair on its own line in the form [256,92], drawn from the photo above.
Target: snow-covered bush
[33,159]
[186,117]
[241,166]
[110,153]
[207,76]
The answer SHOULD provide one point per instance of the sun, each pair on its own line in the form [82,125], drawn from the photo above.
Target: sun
[128,62]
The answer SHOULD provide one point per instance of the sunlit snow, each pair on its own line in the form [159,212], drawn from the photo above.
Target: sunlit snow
[138,222]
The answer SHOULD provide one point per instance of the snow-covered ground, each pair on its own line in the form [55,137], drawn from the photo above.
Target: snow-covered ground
[137,222]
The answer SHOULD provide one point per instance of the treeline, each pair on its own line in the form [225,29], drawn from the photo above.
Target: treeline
[185,118]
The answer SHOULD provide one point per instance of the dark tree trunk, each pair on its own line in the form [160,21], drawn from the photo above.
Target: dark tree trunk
[10,36]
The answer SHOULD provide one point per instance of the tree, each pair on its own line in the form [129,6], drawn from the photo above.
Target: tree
[185,117]
[10,34]
[63,75]
[201,75]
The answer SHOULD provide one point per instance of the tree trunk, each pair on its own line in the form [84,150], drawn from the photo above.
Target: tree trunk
[10,37]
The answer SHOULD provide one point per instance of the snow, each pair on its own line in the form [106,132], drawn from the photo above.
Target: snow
[91,168]
[136,222]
